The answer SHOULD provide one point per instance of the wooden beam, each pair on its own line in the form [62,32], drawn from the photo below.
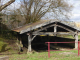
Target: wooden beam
[30,39]
[43,28]
[29,42]
[55,30]
[65,28]
[53,33]
[41,24]
[76,40]
[33,37]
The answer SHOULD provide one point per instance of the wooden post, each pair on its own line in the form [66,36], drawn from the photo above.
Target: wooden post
[19,42]
[55,30]
[76,40]
[29,42]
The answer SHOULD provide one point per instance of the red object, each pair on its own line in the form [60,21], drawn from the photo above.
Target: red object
[78,48]
[48,49]
[60,50]
[61,42]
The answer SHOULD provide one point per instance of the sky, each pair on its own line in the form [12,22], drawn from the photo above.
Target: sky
[76,10]
[75,14]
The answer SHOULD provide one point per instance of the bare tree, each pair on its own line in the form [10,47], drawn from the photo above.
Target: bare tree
[34,10]
[6,4]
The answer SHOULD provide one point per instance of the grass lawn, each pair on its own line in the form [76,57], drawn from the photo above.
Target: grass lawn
[54,55]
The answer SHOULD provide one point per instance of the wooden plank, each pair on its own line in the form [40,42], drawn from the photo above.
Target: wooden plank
[50,33]
[65,28]
[43,28]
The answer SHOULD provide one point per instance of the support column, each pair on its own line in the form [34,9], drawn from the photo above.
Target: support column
[29,42]
[55,30]
[55,33]
[76,41]
[19,43]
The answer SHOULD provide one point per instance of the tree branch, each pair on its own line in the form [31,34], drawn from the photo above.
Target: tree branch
[5,5]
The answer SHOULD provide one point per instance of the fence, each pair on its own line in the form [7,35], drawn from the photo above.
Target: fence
[61,42]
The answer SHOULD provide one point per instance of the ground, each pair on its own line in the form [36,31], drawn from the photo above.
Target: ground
[13,54]
[54,55]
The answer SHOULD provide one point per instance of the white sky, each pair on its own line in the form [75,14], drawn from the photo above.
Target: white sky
[75,12]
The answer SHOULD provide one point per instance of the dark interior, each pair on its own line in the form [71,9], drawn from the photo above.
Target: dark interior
[38,44]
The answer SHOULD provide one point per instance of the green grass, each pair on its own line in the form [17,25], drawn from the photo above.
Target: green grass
[54,55]
[44,56]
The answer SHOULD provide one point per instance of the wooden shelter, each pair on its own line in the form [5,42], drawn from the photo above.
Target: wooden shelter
[48,27]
